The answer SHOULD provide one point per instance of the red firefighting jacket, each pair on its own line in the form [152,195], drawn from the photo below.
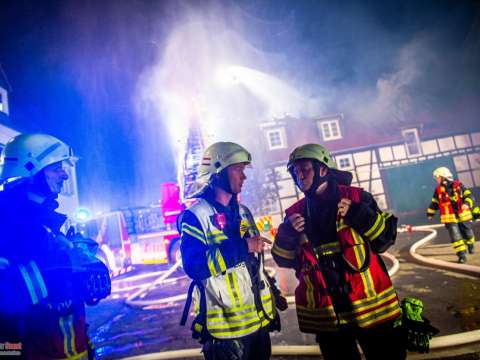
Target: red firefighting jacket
[371,297]
[454,202]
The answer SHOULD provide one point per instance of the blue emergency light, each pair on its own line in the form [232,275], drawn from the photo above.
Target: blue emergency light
[82,215]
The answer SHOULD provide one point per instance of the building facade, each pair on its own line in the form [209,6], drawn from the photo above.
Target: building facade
[395,165]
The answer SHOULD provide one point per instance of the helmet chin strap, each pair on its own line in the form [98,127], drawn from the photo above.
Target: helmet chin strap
[223,182]
[317,180]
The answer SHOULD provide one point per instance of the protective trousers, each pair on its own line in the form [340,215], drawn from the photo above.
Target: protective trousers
[461,236]
[256,346]
[378,343]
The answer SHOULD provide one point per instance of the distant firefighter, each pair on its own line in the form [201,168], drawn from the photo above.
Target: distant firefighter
[457,211]
[46,276]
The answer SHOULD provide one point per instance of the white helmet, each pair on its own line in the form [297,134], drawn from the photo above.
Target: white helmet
[27,154]
[217,157]
[443,172]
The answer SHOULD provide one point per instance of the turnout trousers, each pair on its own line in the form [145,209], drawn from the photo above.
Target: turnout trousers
[377,343]
[461,236]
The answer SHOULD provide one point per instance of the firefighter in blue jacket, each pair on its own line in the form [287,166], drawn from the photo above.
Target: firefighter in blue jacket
[222,252]
[46,277]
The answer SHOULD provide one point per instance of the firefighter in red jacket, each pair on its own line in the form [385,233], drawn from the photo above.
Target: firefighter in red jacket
[457,211]
[46,277]
[332,238]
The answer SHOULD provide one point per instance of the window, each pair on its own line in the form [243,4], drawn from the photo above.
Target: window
[344,162]
[330,129]
[3,101]
[276,139]
[412,142]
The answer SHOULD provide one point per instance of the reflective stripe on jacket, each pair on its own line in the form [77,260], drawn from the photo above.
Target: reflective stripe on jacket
[453,201]
[370,295]
[231,308]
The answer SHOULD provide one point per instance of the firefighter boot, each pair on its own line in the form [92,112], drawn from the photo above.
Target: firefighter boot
[462,257]
[471,249]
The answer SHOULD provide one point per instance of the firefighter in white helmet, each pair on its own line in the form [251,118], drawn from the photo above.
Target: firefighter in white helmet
[222,252]
[457,211]
[45,277]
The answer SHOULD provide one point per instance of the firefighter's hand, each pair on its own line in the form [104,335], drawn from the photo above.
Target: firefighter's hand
[257,244]
[297,221]
[430,218]
[344,206]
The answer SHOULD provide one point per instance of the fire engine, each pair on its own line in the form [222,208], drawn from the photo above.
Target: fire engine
[140,235]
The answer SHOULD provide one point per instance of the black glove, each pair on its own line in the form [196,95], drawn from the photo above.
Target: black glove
[93,282]
[416,329]
[418,335]
[228,349]
[91,275]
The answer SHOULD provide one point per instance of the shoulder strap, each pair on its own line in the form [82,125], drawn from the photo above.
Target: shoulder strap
[188,302]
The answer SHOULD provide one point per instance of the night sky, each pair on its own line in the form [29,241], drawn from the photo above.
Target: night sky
[83,71]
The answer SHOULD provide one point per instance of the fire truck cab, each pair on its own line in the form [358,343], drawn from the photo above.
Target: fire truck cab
[139,235]
[132,236]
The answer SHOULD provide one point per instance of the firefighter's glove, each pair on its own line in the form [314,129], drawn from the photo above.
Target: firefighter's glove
[93,282]
[228,349]
[476,212]
[416,329]
[92,277]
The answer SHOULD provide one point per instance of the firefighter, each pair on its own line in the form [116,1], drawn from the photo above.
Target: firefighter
[222,252]
[46,276]
[332,238]
[457,211]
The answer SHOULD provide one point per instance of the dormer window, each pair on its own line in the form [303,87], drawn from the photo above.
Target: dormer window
[412,142]
[330,129]
[276,138]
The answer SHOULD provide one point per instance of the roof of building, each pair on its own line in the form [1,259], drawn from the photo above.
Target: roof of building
[462,118]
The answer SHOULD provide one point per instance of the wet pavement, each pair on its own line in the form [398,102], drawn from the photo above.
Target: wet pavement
[451,299]
[118,330]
